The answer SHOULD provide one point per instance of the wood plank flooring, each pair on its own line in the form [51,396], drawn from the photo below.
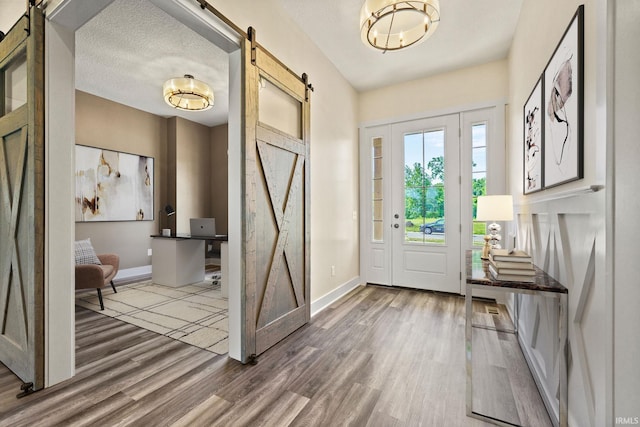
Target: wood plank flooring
[378,357]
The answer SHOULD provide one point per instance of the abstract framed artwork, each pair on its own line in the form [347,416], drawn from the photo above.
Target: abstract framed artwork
[534,140]
[113,186]
[564,107]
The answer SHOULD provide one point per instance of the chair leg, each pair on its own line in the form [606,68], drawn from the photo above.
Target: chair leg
[100,298]
[114,287]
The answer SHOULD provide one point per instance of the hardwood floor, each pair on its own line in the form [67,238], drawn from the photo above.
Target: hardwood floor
[378,357]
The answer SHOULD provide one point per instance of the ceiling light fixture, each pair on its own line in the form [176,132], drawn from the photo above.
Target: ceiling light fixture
[394,24]
[187,93]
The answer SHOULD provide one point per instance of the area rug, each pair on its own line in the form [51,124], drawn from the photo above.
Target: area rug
[196,314]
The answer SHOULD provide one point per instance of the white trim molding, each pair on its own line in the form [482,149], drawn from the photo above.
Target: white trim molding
[566,237]
[134,274]
[325,301]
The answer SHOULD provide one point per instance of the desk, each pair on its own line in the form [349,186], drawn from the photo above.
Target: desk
[179,260]
[478,277]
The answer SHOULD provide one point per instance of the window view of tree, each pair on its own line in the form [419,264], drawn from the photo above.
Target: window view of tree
[479,188]
[424,185]
[415,184]
[424,178]
[424,190]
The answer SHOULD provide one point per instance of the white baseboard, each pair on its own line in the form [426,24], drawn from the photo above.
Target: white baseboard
[133,274]
[143,272]
[323,302]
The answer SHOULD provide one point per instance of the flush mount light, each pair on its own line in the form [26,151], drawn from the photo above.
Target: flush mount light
[187,93]
[394,25]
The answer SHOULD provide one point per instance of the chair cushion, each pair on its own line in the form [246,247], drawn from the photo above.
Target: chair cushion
[106,269]
[85,254]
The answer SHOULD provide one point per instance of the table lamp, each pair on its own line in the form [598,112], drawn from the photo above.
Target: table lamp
[494,208]
[168,211]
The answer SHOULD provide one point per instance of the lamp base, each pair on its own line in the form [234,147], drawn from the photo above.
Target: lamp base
[486,248]
[494,235]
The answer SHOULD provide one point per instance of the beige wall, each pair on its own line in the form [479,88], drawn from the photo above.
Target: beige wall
[334,141]
[105,124]
[185,162]
[530,52]
[193,168]
[219,170]
[456,89]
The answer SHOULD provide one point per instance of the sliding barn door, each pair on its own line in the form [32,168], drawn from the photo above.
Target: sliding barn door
[276,186]
[22,199]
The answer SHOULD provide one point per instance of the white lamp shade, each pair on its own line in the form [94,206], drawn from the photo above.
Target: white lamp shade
[495,208]
[393,24]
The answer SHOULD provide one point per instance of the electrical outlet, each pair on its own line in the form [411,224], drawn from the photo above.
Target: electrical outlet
[333,270]
[149,252]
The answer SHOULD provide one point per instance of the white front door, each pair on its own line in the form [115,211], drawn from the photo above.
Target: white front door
[419,181]
[425,191]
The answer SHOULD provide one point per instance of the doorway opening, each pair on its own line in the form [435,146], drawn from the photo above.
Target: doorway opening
[123,81]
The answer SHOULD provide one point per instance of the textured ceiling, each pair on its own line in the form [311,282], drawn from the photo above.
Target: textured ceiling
[127,51]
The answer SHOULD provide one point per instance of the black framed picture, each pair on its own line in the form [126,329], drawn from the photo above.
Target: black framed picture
[563,86]
[533,138]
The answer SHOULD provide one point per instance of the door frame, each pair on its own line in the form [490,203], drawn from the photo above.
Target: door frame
[63,19]
[496,174]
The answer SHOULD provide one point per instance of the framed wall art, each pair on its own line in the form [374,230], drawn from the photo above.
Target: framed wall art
[564,107]
[533,140]
[113,186]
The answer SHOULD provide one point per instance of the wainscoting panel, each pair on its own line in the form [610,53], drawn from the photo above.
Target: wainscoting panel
[566,237]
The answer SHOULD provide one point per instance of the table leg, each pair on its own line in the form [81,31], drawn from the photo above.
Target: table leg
[468,330]
[516,314]
[563,400]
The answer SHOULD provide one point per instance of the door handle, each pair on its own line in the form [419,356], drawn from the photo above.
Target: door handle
[396,225]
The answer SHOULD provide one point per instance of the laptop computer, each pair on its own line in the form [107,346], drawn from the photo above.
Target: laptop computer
[202,227]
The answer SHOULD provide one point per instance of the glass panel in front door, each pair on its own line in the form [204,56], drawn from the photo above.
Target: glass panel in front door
[424,189]
[377,190]
[479,176]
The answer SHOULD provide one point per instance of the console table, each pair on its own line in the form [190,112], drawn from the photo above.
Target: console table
[179,260]
[479,277]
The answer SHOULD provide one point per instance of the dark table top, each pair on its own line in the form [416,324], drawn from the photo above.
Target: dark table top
[478,274]
[221,237]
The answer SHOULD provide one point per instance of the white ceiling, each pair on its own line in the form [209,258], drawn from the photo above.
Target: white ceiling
[470,32]
[128,50]
[10,12]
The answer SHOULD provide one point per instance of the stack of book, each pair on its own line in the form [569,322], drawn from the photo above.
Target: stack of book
[511,266]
